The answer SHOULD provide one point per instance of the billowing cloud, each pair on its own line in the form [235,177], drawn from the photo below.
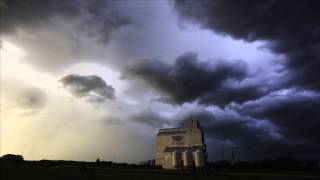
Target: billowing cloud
[289,27]
[217,82]
[92,87]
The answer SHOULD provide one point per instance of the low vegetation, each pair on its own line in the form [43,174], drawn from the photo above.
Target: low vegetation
[282,168]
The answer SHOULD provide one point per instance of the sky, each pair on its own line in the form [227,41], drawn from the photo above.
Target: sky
[82,80]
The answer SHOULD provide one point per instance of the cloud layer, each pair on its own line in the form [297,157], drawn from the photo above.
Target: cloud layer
[248,70]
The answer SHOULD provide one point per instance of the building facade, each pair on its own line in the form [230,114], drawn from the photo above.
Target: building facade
[181,148]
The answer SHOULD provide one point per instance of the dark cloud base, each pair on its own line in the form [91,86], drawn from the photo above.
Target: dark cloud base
[92,87]
[189,79]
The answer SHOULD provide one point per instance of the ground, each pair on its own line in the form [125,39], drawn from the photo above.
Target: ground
[74,172]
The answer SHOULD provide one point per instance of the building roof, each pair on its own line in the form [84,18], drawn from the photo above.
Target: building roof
[172,131]
[192,123]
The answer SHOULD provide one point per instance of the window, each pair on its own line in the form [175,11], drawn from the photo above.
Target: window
[177,138]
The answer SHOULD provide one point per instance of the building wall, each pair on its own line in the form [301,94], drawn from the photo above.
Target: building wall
[182,137]
[167,161]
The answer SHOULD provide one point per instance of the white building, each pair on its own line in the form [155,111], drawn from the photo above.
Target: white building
[181,148]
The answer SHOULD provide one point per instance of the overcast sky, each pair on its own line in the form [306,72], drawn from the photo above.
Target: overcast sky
[87,79]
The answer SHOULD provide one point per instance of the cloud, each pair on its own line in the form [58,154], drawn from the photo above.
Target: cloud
[214,81]
[295,112]
[150,118]
[92,87]
[95,17]
[288,27]
[55,34]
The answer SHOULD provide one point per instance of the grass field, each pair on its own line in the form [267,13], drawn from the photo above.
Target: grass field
[71,172]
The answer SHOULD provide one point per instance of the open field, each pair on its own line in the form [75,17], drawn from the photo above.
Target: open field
[73,172]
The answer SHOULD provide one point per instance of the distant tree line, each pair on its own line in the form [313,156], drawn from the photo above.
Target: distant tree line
[11,158]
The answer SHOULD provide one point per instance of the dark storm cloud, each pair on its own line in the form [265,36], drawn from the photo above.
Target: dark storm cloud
[189,79]
[227,94]
[150,118]
[290,27]
[96,17]
[252,138]
[296,113]
[93,87]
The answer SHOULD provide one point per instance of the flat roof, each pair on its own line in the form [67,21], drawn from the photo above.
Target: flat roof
[172,129]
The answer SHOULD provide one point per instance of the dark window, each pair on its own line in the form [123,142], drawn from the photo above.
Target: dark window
[177,138]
